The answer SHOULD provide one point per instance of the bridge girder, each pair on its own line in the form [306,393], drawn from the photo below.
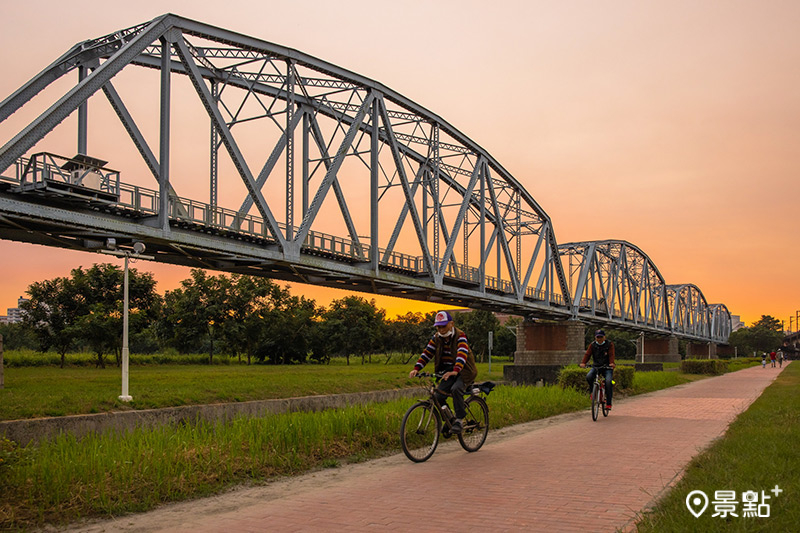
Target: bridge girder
[615,282]
[427,212]
[352,134]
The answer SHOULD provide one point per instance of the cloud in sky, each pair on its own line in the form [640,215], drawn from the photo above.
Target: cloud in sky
[670,125]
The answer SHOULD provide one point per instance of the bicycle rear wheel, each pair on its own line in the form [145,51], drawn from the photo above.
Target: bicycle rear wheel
[476,424]
[419,431]
[595,400]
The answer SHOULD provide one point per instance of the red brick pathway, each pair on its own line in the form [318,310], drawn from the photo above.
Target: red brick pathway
[543,476]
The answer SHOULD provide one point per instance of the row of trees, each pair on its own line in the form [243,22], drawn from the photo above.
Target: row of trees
[249,317]
[256,319]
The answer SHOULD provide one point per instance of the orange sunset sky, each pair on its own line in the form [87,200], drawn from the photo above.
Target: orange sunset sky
[669,124]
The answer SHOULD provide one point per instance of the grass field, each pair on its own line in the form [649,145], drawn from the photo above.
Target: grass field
[64,479]
[758,452]
[32,392]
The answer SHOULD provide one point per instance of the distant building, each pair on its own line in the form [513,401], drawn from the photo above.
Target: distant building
[3,319]
[15,313]
[736,323]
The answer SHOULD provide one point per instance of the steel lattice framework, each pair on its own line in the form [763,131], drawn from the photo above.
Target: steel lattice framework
[617,282]
[343,182]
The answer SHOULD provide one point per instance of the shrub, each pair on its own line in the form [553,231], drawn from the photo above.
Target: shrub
[572,376]
[624,376]
[575,377]
[713,367]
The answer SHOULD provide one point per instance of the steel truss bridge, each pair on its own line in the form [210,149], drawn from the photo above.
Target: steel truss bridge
[301,170]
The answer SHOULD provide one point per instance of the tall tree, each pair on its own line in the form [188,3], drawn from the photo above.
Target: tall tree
[52,311]
[769,323]
[408,333]
[101,289]
[250,301]
[290,328]
[477,324]
[196,310]
[87,306]
[352,325]
[765,335]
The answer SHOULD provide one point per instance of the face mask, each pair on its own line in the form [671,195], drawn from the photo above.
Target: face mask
[448,334]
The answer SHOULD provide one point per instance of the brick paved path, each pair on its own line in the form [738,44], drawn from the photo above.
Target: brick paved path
[548,475]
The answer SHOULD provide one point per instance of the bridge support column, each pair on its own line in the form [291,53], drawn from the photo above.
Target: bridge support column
[542,349]
[661,350]
[725,350]
[701,350]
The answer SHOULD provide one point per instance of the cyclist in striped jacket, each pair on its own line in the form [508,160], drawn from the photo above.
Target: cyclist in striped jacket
[452,356]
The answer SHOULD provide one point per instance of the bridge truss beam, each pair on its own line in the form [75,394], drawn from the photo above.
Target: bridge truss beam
[339,134]
[310,152]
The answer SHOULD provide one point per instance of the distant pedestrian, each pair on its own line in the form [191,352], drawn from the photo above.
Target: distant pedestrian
[764,360]
[772,358]
[780,358]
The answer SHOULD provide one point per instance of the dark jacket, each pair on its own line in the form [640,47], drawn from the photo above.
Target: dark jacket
[601,354]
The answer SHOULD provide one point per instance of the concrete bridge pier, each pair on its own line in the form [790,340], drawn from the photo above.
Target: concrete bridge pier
[701,350]
[659,350]
[543,348]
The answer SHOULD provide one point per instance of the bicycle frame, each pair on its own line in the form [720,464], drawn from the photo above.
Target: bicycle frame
[598,393]
[427,419]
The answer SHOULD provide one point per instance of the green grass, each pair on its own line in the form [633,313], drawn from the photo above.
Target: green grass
[52,391]
[758,452]
[651,381]
[64,479]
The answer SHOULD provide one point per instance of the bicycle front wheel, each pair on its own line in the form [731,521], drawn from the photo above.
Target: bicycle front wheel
[476,424]
[595,401]
[419,431]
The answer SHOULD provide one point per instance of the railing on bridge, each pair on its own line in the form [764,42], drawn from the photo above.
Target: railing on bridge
[78,176]
[33,174]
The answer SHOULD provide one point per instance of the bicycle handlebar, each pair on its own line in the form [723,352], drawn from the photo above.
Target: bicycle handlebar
[437,375]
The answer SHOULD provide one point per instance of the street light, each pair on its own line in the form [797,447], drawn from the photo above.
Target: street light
[641,336]
[138,248]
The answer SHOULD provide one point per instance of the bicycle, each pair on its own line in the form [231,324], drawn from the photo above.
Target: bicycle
[599,392]
[427,419]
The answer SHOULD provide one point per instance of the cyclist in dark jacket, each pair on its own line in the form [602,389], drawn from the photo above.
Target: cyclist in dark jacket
[601,351]
[451,355]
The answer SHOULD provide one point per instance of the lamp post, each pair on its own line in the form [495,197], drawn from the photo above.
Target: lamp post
[138,248]
[641,337]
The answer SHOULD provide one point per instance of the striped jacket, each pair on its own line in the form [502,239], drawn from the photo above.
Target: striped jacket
[450,353]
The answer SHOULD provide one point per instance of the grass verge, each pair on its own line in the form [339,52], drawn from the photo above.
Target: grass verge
[65,479]
[758,452]
[32,392]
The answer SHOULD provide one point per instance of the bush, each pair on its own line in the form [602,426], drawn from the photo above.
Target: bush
[713,367]
[624,376]
[572,376]
[575,377]
[742,362]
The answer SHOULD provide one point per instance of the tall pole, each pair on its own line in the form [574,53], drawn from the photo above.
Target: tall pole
[641,336]
[125,397]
